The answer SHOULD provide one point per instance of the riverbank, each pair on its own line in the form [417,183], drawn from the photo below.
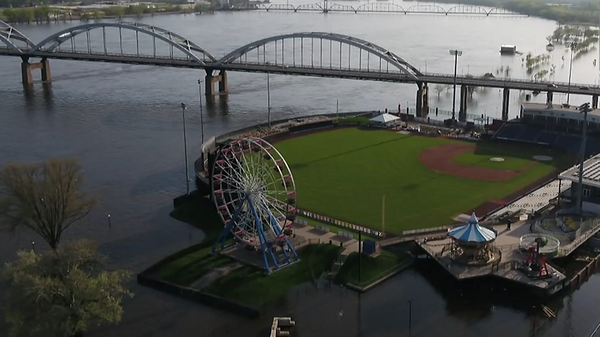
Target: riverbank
[562,13]
[47,14]
[222,282]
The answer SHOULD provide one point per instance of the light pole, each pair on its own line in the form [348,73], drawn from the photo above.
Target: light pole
[456,54]
[409,317]
[268,97]
[187,174]
[201,113]
[585,107]
[572,46]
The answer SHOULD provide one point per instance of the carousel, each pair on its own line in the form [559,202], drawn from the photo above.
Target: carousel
[472,243]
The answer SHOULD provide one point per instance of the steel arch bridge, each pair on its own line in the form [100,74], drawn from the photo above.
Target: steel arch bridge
[175,42]
[322,51]
[378,7]
[307,53]
[14,39]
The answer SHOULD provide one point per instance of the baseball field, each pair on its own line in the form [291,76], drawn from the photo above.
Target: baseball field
[426,181]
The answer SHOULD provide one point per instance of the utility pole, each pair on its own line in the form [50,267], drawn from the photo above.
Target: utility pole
[572,46]
[359,256]
[201,113]
[409,317]
[456,54]
[383,214]
[187,173]
[585,108]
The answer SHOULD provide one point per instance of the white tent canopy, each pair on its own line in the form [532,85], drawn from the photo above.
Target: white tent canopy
[385,119]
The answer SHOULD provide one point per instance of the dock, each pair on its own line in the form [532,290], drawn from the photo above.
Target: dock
[281,326]
[513,253]
[512,257]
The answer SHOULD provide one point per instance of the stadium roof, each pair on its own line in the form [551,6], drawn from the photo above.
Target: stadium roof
[591,172]
[472,232]
[560,111]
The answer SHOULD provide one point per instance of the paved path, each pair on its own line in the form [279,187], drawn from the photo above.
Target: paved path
[313,235]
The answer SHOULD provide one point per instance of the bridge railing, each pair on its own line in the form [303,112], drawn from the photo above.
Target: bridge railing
[112,54]
[389,70]
[509,80]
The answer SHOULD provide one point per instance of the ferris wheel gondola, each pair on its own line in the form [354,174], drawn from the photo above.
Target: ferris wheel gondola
[254,192]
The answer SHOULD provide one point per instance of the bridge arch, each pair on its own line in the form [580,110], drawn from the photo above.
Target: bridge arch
[426,9]
[186,46]
[371,48]
[468,9]
[503,11]
[380,7]
[9,33]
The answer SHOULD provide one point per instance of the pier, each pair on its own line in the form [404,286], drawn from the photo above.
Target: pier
[513,248]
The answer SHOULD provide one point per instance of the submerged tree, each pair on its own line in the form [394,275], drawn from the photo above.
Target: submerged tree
[62,292]
[45,198]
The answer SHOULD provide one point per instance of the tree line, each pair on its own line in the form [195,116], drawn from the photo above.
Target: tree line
[46,13]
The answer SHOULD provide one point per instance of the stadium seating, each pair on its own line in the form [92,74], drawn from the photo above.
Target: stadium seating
[509,131]
[547,137]
[533,134]
[529,134]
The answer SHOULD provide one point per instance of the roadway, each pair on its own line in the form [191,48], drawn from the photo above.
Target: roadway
[356,74]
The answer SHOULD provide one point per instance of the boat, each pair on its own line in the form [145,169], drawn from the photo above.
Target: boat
[508,49]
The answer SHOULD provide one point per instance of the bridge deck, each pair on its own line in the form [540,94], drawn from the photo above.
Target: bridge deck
[356,74]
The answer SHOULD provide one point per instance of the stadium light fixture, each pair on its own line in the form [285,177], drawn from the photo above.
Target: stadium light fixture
[585,108]
[456,53]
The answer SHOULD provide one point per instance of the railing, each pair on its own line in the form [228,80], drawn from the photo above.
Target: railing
[580,240]
[341,223]
[508,80]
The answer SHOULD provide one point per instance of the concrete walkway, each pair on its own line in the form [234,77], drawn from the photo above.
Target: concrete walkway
[314,235]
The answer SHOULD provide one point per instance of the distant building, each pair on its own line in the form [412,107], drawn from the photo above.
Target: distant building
[508,49]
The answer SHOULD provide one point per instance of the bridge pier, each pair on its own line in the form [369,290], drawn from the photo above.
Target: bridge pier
[549,97]
[27,68]
[505,103]
[464,96]
[594,101]
[210,80]
[422,105]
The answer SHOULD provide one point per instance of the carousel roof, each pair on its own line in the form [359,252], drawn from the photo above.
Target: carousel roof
[472,232]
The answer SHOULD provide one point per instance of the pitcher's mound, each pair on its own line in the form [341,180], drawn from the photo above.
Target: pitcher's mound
[497,159]
[542,158]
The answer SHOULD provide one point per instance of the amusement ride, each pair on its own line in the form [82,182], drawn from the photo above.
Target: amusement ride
[255,195]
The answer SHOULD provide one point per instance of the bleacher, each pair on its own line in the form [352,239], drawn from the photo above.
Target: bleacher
[509,131]
[533,134]
[547,137]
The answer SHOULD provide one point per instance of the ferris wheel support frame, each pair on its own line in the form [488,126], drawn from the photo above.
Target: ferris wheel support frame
[264,247]
[251,208]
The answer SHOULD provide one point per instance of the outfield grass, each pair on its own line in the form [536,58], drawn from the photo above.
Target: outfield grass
[515,158]
[346,172]
[250,286]
[373,268]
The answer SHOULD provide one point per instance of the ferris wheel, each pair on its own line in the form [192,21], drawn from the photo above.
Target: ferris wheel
[255,195]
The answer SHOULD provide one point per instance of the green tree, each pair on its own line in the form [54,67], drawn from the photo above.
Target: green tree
[62,292]
[45,198]
[117,11]
[42,13]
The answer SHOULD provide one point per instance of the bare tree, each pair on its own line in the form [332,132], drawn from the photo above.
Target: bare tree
[438,89]
[45,198]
